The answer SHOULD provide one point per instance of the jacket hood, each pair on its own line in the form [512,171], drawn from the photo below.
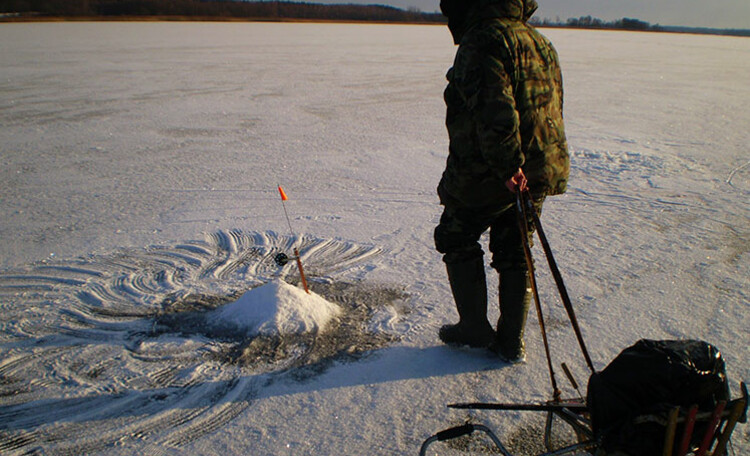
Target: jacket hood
[513,9]
[462,14]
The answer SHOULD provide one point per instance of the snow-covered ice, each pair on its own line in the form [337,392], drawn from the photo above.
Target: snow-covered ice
[139,164]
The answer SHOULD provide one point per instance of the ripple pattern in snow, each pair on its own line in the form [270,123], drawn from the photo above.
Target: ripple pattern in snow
[111,350]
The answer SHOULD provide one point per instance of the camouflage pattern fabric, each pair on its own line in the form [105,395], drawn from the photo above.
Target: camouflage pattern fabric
[504,109]
[457,235]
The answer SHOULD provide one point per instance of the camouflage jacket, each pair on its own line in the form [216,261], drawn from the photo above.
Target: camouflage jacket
[504,108]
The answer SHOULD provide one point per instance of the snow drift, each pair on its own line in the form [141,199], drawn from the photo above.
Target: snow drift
[276,308]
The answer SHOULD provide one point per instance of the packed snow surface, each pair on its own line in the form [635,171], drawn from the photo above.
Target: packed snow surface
[277,308]
[139,166]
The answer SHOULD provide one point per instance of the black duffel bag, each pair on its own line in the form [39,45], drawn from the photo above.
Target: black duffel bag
[650,378]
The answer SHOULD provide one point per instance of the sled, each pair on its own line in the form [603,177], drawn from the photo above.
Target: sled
[656,398]
[717,425]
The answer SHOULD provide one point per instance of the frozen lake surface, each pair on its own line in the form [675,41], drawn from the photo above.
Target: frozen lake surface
[139,167]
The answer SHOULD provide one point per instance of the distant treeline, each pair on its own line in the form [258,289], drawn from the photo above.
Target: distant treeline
[286,10]
[270,10]
[589,22]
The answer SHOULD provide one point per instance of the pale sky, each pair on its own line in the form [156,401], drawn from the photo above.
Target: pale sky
[692,13]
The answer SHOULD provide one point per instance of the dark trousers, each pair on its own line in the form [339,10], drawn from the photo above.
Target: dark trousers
[457,235]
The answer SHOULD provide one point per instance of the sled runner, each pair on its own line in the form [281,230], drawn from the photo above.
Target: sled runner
[656,398]
[717,426]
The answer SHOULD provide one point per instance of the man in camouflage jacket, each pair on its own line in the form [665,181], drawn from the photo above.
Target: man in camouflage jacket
[504,118]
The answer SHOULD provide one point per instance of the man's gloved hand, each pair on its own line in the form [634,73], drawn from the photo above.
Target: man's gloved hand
[517,182]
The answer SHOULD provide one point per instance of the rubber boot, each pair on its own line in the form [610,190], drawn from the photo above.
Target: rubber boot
[469,287]
[515,297]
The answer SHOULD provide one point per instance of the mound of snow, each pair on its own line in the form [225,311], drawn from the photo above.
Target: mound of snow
[277,308]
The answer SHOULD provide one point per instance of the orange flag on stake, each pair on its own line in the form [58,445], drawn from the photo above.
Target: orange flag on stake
[296,252]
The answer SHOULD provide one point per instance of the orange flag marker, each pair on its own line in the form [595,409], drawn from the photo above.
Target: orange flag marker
[296,252]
